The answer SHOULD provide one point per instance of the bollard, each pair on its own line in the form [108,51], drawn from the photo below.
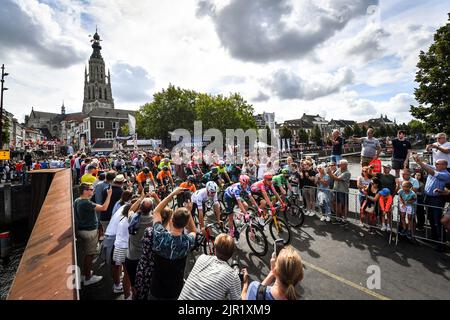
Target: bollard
[5,245]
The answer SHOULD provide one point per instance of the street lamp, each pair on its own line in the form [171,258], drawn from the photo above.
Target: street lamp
[4,74]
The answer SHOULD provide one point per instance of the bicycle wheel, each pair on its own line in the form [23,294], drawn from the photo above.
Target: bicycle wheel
[256,239]
[208,246]
[294,216]
[282,232]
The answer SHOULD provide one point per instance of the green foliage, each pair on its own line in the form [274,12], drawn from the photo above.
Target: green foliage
[285,133]
[125,130]
[303,136]
[348,131]
[416,127]
[433,77]
[316,135]
[357,130]
[380,132]
[176,108]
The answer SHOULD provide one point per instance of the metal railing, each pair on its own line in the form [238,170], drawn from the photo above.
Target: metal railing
[351,203]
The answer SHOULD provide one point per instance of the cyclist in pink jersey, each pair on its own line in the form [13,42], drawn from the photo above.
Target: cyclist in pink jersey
[262,190]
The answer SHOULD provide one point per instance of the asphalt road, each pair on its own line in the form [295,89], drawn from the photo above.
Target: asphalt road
[336,261]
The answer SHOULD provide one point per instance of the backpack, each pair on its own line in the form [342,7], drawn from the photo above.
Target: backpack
[134,223]
[261,293]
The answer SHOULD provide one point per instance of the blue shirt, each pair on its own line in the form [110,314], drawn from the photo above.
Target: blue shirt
[169,246]
[436,181]
[407,196]
[253,291]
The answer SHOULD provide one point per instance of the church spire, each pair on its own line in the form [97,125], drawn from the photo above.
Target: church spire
[63,109]
[97,91]
[96,45]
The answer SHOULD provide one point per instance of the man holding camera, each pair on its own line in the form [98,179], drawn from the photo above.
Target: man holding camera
[212,278]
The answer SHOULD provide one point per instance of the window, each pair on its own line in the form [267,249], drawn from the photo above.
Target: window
[100,125]
[108,135]
[115,125]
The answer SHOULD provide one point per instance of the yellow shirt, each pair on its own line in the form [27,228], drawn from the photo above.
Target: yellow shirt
[88,178]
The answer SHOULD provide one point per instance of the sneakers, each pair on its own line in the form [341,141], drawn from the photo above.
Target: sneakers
[322,218]
[383,228]
[118,289]
[92,280]
[328,219]
[361,224]
[310,213]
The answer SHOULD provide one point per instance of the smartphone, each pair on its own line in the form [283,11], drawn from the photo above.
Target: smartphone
[277,246]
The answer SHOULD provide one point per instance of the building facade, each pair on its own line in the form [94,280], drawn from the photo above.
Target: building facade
[98,121]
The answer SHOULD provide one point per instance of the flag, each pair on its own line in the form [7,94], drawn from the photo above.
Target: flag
[131,124]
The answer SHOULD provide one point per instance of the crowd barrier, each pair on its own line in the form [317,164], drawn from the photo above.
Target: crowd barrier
[373,221]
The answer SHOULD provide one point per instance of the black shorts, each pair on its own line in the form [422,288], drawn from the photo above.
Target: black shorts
[195,207]
[397,164]
[342,198]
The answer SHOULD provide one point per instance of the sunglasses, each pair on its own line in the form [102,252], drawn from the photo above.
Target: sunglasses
[90,189]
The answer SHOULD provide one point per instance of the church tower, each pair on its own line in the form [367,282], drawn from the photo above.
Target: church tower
[97,84]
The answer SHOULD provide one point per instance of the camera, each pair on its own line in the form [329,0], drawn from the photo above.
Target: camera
[278,245]
[235,266]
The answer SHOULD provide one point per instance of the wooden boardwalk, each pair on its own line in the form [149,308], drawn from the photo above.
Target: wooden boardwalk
[42,273]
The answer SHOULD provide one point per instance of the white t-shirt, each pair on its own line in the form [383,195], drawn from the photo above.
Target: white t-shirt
[122,234]
[111,230]
[439,155]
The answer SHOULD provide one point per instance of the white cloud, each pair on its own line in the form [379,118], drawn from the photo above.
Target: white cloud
[45,47]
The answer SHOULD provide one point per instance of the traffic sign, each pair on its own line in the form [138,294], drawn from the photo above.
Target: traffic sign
[5,155]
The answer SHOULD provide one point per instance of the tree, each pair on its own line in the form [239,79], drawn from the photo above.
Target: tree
[390,131]
[124,130]
[357,130]
[380,131]
[175,108]
[316,135]
[348,131]
[433,77]
[416,127]
[302,136]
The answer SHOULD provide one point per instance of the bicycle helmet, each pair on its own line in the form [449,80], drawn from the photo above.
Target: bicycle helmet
[285,171]
[146,170]
[268,175]
[212,187]
[244,179]
[165,168]
[191,178]
[214,170]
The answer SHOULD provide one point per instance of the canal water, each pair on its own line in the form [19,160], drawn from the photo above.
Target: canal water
[8,270]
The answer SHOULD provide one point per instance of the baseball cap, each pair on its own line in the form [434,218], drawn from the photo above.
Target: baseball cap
[384,192]
[387,165]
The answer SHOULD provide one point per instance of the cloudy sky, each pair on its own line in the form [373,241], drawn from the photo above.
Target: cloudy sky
[342,59]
